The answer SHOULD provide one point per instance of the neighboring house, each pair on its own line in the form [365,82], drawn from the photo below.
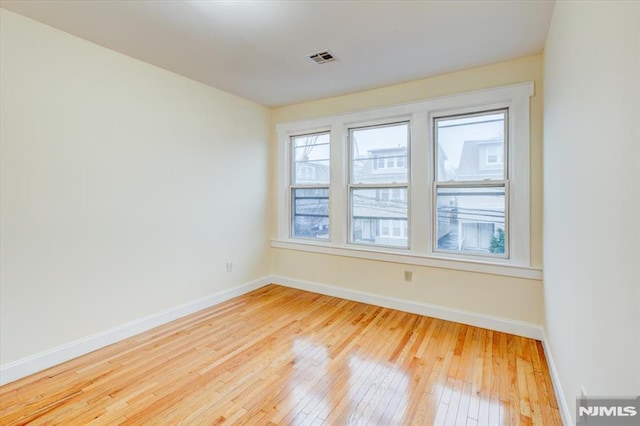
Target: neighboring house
[467,221]
[309,172]
[380,214]
[481,159]
[474,217]
[387,165]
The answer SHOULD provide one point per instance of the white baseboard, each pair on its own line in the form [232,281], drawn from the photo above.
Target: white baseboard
[565,413]
[519,328]
[32,364]
[38,362]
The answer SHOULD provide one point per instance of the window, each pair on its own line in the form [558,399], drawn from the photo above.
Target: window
[309,187]
[384,228]
[369,192]
[491,156]
[470,199]
[441,182]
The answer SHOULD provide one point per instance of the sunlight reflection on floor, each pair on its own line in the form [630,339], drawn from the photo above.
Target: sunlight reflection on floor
[462,405]
[311,361]
[378,390]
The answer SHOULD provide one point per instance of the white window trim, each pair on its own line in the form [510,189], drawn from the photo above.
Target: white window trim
[515,97]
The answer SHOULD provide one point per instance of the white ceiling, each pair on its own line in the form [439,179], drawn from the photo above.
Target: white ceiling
[257,49]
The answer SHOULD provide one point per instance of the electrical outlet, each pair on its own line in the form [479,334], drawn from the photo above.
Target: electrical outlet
[408,275]
[229,266]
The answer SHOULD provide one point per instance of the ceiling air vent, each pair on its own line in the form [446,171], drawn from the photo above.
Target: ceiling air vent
[322,57]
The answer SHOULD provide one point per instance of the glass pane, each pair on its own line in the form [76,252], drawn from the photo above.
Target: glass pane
[310,212]
[310,155]
[471,147]
[379,216]
[471,220]
[379,154]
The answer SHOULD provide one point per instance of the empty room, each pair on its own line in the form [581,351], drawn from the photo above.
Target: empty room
[319,212]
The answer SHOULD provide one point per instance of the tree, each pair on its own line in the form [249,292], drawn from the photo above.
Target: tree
[497,242]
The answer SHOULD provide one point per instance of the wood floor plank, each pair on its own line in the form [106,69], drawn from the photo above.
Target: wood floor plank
[285,356]
[437,361]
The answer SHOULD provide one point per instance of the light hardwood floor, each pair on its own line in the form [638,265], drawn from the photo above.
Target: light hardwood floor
[284,356]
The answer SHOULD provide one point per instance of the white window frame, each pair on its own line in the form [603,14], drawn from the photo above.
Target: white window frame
[294,186]
[421,189]
[388,186]
[491,183]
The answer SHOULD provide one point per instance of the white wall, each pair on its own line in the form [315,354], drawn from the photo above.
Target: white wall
[124,188]
[592,197]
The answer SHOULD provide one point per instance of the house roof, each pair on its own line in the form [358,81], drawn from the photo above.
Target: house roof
[387,150]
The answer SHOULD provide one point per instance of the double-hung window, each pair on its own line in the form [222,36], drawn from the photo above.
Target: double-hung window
[440,182]
[471,185]
[378,195]
[309,185]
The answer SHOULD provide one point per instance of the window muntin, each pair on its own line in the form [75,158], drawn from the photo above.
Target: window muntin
[471,186]
[378,189]
[309,186]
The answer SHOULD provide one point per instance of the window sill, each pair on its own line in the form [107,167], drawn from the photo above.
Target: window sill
[412,259]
